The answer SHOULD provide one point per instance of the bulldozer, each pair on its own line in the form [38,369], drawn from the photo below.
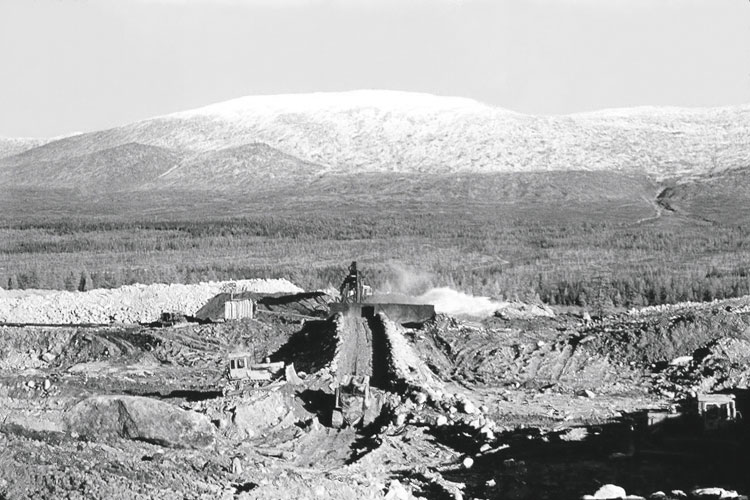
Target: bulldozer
[244,372]
[354,405]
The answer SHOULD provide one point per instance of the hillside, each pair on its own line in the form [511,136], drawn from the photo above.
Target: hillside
[249,167]
[12,146]
[722,197]
[117,168]
[384,131]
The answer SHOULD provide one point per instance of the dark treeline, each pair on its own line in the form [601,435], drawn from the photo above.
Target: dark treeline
[562,262]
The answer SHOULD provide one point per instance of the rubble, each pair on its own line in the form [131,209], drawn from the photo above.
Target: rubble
[497,408]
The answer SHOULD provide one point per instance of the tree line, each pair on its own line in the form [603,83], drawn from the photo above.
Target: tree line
[562,262]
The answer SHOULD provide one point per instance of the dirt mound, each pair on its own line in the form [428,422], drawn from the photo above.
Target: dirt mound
[658,335]
[404,365]
[305,304]
[114,346]
[141,419]
[311,349]
[723,364]
[22,348]
[529,353]
[127,304]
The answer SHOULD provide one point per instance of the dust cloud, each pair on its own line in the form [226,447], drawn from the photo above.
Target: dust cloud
[406,280]
[410,285]
[449,301]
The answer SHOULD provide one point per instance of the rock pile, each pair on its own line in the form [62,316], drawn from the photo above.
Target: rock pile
[127,304]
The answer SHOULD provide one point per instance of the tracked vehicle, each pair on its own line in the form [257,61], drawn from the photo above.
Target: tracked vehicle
[354,404]
[244,372]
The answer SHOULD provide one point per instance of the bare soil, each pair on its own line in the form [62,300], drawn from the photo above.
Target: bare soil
[544,408]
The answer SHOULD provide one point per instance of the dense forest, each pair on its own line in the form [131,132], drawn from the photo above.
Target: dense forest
[572,261]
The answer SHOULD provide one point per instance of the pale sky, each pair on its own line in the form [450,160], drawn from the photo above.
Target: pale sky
[81,65]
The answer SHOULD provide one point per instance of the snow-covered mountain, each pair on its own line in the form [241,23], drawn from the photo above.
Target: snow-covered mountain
[384,131]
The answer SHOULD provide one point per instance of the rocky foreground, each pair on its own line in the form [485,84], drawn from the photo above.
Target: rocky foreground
[502,407]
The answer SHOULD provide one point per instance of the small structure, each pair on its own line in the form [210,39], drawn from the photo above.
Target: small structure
[717,410]
[239,309]
[226,307]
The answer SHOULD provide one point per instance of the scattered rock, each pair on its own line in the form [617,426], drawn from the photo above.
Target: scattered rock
[574,434]
[469,408]
[236,466]
[713,493]
[681,361]
[610,492]
[396,491]
[468,462]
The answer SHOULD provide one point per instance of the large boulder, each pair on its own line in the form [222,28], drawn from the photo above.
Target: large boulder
[610,492]
[252,416]
[139,418]
[713,493]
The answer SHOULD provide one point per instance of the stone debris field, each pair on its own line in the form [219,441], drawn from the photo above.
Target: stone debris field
[99,400]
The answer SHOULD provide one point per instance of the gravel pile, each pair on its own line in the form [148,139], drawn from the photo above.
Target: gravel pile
[127,304]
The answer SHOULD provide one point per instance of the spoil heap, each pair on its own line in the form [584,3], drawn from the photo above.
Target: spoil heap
[127,304]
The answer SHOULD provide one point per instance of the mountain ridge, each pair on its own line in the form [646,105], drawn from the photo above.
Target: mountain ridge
[388,132]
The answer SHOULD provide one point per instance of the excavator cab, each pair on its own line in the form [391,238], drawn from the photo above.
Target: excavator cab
[353,289]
